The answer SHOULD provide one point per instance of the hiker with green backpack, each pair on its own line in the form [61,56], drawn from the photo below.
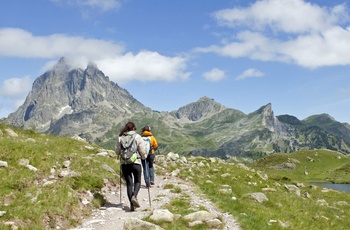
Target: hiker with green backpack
[131,149]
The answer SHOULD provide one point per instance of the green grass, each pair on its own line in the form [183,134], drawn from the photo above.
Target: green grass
[320,165]
[29,203]
[294,211]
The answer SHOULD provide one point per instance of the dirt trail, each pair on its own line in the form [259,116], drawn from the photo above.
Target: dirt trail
[114,213]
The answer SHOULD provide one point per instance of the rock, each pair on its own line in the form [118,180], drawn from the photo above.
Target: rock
[214,223]
[263,176]
[31,140]
[66,164]
[199,216]
[102,154]
[47,183]
[195,223]
[175,172]
[326,190]
[11,133]
[89,147]
[172,156]
[67,173]
[225,175]
[300,185]
[292,188]
[3,164]
[225,191]
[306,195]
[321,202]
[23,162]
[32,168]
[162,215]
[341,203]
[11,224]
[78,138]
[258,197]
[108,168]
[137,224]
[284,166]
[294,160]
[183,160]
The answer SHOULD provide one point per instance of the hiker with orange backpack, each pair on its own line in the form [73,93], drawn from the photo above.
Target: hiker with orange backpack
[146,133]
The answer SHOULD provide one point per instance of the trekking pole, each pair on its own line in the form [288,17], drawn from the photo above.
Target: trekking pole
[120,180]
[149,185]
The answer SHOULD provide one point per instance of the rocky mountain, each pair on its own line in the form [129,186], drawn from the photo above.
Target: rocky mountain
[66,101]
[203,108]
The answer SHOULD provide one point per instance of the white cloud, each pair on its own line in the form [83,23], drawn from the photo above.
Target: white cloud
[291,31]
[120,67]
[16,42]
[15,88]
[290,16]
[13,92]
[250,73]
[104,5]
[144,66]
[214,75]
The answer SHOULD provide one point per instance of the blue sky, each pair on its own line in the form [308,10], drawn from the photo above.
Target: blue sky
[244,54]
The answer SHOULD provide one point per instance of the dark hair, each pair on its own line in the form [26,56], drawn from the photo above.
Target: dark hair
[146,128]
[130,126]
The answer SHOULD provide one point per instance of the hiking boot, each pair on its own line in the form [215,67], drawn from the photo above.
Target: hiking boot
[132,208]
[152,182]
[135,202]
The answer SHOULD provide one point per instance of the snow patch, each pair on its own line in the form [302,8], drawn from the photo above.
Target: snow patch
[64,108]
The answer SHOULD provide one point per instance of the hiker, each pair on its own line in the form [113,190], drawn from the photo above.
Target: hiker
[131,171]
[146,132]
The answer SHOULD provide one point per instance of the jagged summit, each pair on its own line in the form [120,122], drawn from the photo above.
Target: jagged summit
[63,98]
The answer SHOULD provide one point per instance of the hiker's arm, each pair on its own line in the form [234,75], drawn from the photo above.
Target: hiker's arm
[154,143]
[117,147]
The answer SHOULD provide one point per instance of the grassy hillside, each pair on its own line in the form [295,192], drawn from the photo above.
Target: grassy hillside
[48,197]
[58,194]
[310,165]
[231,185]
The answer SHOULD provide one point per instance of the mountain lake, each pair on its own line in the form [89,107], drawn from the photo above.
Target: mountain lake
[338,187]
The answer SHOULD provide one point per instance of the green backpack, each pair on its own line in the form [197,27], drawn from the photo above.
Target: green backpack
[128,149]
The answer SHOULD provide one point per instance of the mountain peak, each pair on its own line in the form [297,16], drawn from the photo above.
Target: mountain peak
[92,65]
[62,96]
[61,66]
[265,109]
[323,118]
[204,107]
[61,62]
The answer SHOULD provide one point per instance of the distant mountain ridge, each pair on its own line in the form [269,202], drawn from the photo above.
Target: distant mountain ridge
[66,101]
